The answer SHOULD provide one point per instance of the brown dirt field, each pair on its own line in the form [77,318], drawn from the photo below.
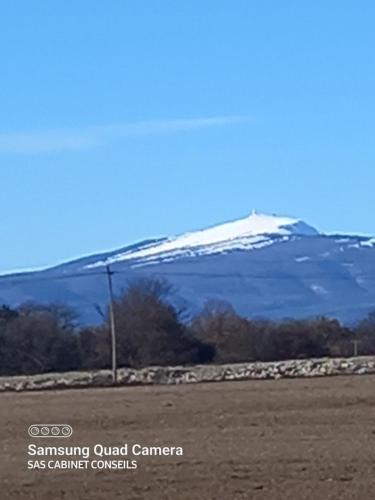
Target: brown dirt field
[284,439]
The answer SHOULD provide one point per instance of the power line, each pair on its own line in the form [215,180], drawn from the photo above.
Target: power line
[14,280]
[31,279]
[254,276]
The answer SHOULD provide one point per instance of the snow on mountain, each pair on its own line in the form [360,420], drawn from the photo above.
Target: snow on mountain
[254,231]
[266,266]
[370,242]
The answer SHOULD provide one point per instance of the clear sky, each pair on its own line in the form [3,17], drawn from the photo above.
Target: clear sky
[121,120]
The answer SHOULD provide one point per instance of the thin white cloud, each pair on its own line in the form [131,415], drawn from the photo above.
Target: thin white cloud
[93,136]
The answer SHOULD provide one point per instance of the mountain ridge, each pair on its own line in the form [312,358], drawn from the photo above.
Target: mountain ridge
[245,233]
[265,265]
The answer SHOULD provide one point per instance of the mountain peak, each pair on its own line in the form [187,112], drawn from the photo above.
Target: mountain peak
[251,232]
[260,223]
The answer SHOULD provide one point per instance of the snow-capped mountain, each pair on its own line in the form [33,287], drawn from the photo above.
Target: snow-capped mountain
[264,265]
[252,232]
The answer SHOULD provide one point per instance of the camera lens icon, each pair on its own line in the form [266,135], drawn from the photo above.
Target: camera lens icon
[66,431]
[50,430]
[34,431]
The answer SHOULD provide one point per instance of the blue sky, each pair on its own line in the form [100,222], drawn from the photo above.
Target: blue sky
[121,120]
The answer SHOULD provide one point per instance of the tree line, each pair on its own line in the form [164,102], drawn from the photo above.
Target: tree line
[151,330]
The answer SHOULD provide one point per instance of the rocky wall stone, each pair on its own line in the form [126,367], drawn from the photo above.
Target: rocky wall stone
[170,375]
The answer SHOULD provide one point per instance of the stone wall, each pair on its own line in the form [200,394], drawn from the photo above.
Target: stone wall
[194,374]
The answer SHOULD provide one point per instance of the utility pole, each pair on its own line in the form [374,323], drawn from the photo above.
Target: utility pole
[112,325]
[355,347]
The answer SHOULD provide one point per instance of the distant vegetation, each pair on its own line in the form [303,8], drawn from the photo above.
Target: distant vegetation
[151,331]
